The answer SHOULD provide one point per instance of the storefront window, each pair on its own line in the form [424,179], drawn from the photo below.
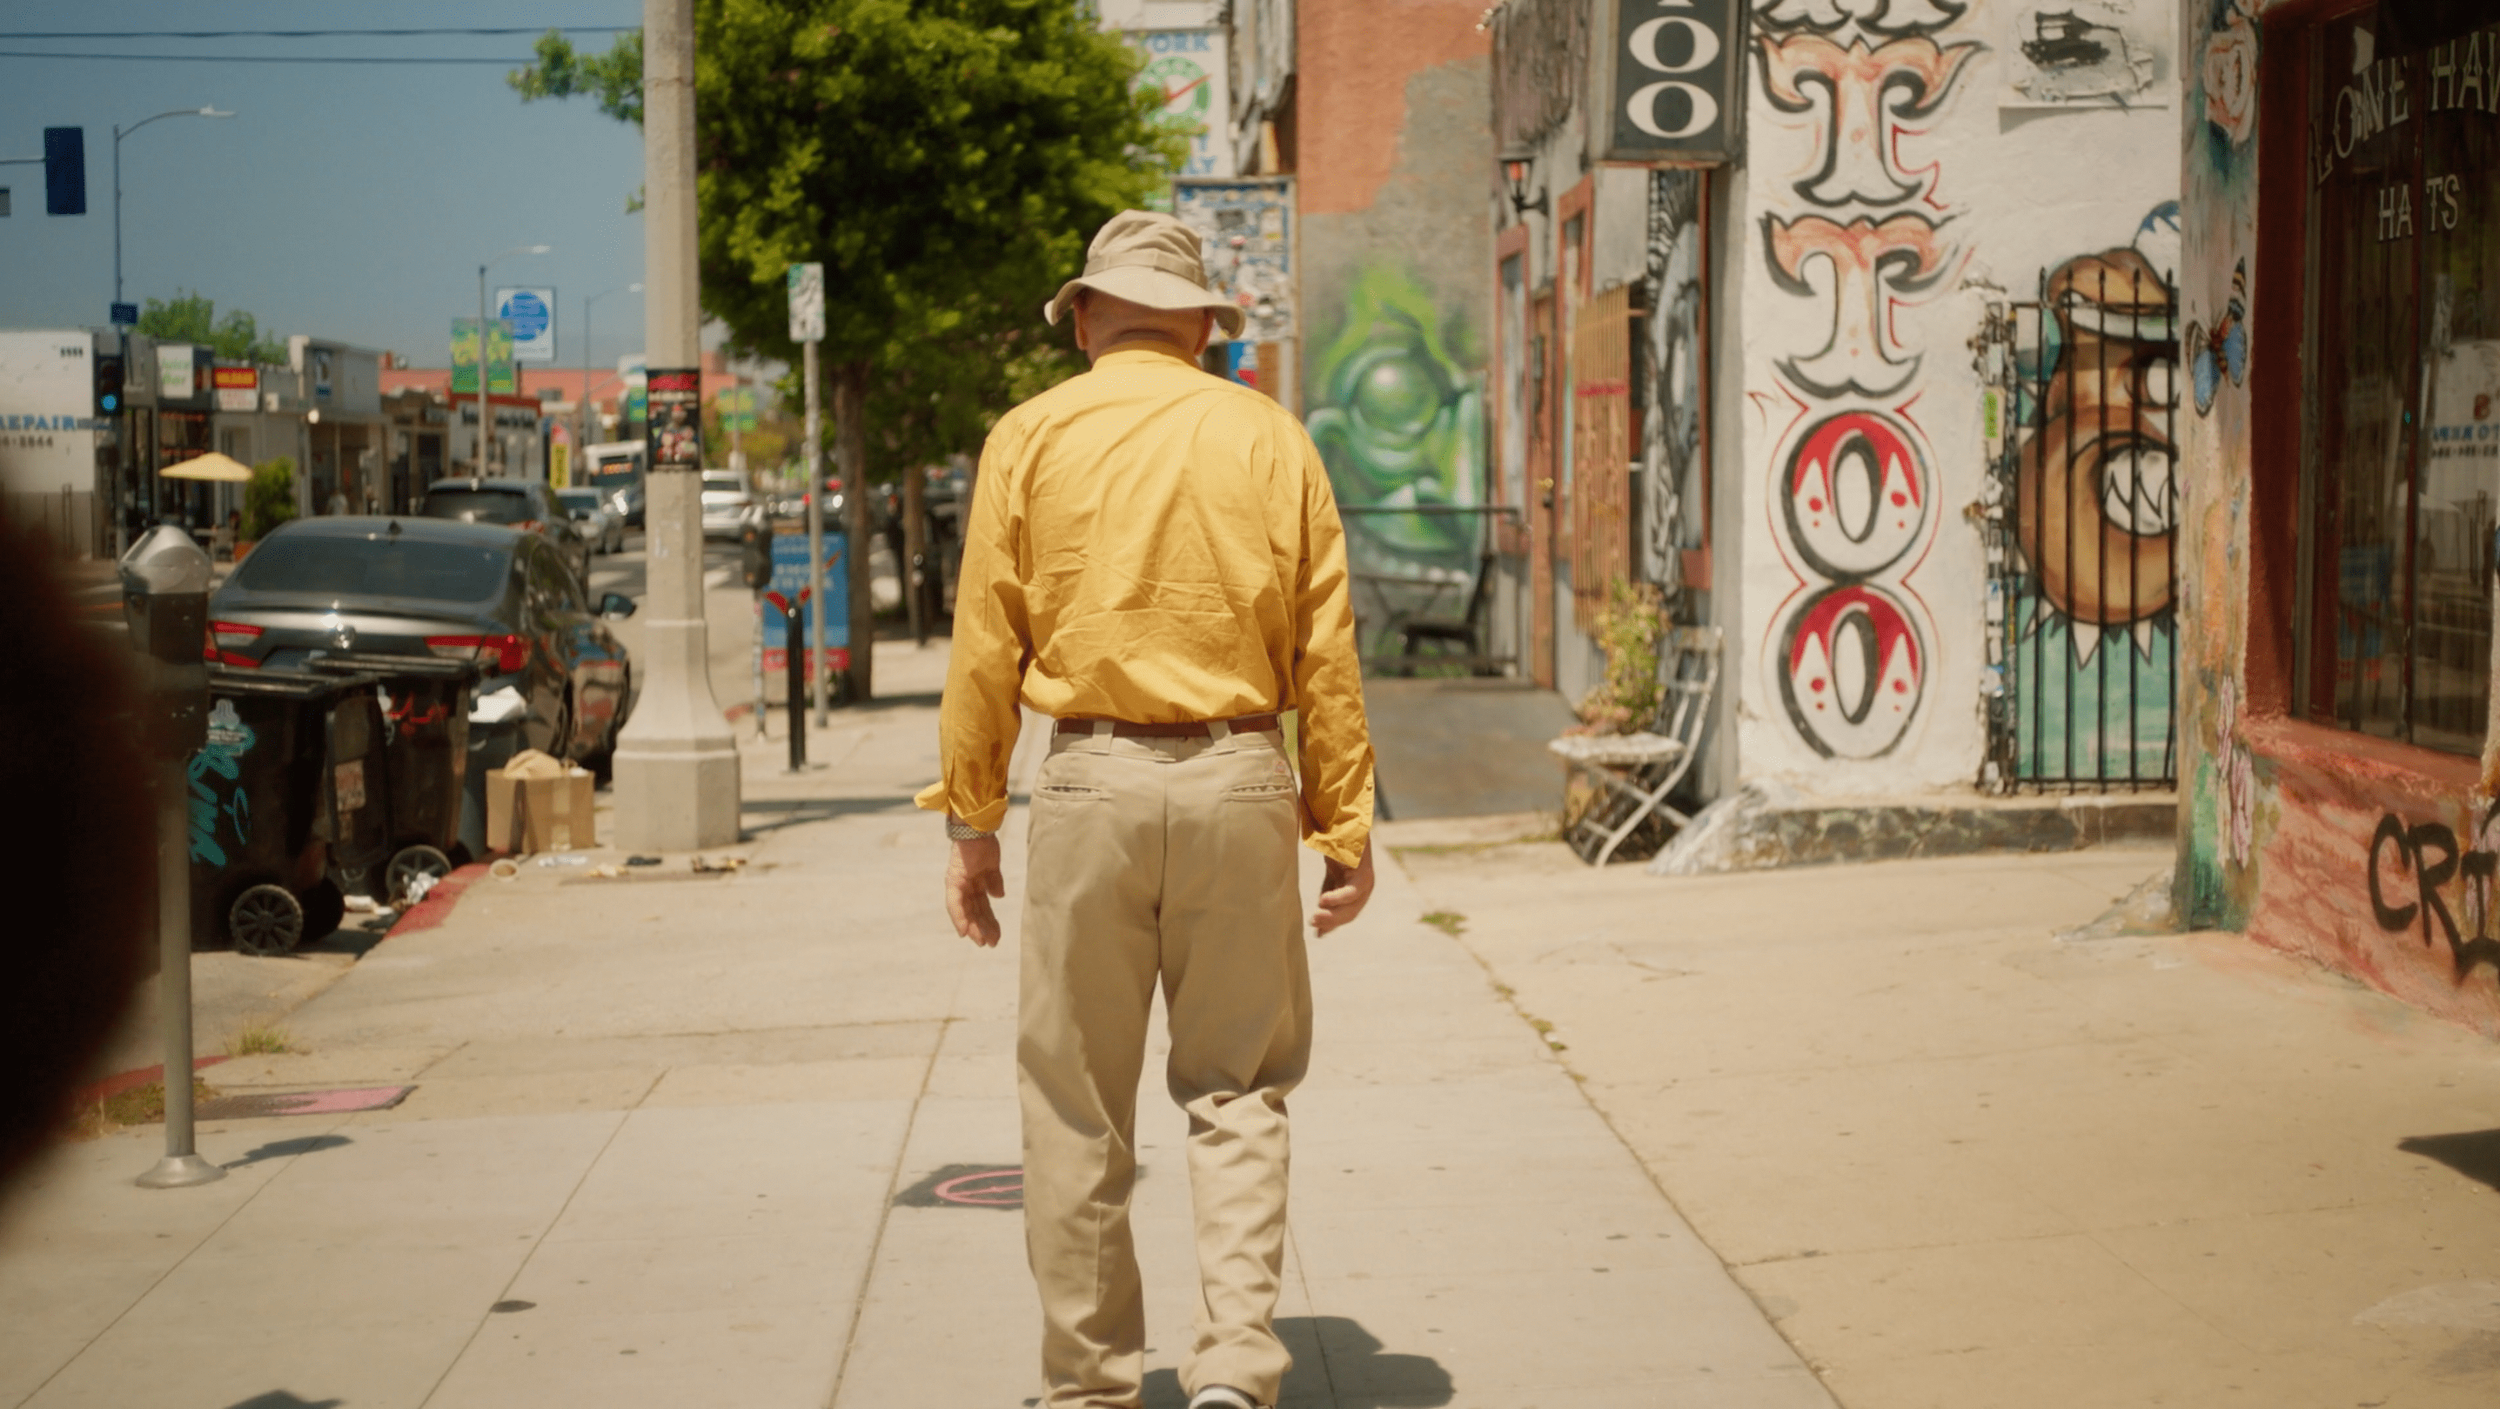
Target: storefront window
[2403,361]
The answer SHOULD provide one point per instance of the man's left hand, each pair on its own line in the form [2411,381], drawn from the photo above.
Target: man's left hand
[972,878]
[1343,892]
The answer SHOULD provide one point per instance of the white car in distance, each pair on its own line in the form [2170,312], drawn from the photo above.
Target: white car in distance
[727,500]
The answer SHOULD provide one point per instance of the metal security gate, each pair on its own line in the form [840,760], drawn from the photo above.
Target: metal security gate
[2080,530]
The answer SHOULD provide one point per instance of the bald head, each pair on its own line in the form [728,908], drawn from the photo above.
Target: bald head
[1104,323]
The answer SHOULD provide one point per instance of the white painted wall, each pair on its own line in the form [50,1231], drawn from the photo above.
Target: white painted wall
[1869,252]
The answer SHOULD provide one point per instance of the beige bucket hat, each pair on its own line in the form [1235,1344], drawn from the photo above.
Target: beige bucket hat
[1152,259]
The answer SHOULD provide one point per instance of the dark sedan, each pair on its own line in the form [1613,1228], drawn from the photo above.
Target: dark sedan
[557,678]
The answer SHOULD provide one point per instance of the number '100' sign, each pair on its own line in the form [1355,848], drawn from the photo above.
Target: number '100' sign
[1670,81]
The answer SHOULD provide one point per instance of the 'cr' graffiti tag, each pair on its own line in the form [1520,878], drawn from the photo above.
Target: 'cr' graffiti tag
[2429,850]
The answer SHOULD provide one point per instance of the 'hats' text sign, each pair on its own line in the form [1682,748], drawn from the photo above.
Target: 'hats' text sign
[1670,80]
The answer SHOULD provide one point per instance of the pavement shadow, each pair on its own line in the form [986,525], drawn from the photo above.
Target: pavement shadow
[282,1149]
[793,811]
[2473,1153]
[280,1399]
[1335,1361]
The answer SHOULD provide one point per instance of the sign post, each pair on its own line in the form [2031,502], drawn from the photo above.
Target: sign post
[807,328]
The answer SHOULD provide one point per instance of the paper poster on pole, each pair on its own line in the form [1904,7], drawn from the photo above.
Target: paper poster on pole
[532,314]
[807,303]
[675,429]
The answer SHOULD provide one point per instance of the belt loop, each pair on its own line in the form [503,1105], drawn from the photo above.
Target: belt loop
[1102,728]
[1219,729]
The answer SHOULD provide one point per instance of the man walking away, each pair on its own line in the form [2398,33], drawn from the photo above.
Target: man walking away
[1154,561]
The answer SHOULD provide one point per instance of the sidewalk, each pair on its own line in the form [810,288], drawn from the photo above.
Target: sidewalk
[1964,1162]
[674,1140]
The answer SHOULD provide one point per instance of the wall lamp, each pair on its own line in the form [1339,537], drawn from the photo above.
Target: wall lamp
[1515,173]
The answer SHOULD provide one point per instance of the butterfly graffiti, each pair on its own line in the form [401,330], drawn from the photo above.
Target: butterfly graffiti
[2223,351]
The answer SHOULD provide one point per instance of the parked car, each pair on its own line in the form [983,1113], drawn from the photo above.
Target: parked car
[514,503]
[626,502]
[600,526]
[727,501]
[557,678]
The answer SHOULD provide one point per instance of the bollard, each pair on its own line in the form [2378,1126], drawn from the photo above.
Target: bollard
[165,580]
[795,671]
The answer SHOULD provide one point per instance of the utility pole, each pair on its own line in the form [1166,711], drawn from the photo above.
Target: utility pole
[485,359]
[677,762]
[807,328]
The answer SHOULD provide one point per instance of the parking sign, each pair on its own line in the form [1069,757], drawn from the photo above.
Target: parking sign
[807,303]
[532,314]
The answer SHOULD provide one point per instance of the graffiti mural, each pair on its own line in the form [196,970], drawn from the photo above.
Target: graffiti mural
[1399,421]
[2088,593]
[1673,506]
[1852,480]
[217,806]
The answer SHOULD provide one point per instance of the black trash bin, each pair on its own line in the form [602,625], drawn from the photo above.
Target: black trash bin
[284,795]
[425,702]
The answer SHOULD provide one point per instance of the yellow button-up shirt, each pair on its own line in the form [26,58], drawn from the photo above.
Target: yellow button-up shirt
[1154,544]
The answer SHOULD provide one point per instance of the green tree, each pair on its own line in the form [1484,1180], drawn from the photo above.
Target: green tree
[192,317]
[945,160]
[269,500]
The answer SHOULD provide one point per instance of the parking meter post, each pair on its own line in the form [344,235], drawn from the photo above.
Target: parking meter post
[165,579]
[761,731]
[796,672]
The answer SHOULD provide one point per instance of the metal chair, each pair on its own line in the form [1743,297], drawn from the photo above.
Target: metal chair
[1633,773]
[1465,631]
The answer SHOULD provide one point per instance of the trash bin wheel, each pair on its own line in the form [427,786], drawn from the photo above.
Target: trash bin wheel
[266,920]
[410,862]
[324,906]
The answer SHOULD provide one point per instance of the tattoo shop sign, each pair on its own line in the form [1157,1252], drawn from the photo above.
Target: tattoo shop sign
[1669,81]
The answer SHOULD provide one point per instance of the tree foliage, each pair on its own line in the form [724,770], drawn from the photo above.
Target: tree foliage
[269,500]
[191,317]
[945,160]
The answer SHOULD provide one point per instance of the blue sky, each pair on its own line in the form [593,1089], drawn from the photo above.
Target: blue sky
[349,201]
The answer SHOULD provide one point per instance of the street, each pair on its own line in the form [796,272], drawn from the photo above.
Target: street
[680,1137]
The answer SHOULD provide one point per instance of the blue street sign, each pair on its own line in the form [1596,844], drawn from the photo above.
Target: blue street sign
[125,315]
[789,580]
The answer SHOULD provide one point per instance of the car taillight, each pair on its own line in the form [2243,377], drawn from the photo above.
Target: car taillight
[527,525]
[507,653]
[223,638]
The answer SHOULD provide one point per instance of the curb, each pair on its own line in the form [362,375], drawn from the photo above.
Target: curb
[119,1082]
[438,902]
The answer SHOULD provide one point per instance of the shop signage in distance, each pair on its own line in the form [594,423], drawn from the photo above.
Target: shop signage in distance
[1670,81]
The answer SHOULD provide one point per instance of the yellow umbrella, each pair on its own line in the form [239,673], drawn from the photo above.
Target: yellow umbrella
[212,466]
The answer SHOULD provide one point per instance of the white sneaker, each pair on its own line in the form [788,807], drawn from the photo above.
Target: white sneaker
[1220,1397]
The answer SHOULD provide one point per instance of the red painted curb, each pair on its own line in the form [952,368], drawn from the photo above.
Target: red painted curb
[112,1086]
[436,907]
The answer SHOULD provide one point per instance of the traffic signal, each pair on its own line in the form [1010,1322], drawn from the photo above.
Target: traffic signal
[108,385]
[65,171]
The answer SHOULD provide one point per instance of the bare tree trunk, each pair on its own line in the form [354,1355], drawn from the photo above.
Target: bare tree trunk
[916,550]
[850,457]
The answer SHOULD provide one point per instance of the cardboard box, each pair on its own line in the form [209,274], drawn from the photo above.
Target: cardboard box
[535,803]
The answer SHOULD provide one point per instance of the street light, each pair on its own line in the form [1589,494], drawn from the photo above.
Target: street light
[119,132]
[485,412]
[590,353]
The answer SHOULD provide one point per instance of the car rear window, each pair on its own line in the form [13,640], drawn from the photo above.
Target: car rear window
[579,498]
[372,567]
[478,505]
[724,484]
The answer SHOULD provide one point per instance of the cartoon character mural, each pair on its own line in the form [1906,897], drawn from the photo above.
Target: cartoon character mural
[1399,420]
[2097,516]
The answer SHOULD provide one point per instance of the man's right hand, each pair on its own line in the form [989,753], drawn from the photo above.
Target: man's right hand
[972,878]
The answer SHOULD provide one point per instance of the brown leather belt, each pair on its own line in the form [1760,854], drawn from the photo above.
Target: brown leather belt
[1195,729]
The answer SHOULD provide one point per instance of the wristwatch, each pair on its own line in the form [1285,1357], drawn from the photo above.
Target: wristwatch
[960,830]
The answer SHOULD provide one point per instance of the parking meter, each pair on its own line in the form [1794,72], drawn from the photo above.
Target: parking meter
[165,580]
[755,555]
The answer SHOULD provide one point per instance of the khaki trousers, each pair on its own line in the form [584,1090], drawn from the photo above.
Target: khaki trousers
[1170,860]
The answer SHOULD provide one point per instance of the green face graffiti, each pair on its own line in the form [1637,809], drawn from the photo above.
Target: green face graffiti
[1400,423]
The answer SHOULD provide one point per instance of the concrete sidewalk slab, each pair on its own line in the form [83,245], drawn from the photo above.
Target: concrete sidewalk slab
[1965,1163]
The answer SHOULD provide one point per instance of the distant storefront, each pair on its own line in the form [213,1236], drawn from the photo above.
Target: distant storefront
[2342,354]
